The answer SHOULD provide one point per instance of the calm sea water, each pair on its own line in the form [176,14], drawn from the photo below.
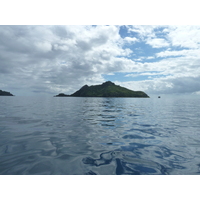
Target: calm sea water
[104,136]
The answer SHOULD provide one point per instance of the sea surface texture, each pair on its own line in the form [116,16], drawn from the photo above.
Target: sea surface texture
[99,136]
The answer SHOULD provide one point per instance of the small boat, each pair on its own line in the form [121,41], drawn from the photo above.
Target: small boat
[158,96]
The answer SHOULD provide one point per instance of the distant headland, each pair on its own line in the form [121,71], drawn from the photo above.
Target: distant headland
[4,93]
[107,89]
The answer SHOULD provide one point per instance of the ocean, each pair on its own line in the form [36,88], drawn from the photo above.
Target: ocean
[99,136]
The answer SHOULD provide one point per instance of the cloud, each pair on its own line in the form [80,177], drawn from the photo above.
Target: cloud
[143,31]
[158,42]
[59,58]
[179,64]
[145,74]
[172,53]
[178,85]
[177,36]
[53,59]
[184,36]
[130,39]
[165,85]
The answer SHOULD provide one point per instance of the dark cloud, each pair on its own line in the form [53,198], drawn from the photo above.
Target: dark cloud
[62,32]
[102,39]
[85,46]
[57,57]
[173,85]
[186,84]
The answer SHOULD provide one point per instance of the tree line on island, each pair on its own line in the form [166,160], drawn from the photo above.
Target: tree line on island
[107,89]
[4,93]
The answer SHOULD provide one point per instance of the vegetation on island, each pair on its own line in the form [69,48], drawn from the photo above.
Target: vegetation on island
[107,89]
[4,93]
[62,95]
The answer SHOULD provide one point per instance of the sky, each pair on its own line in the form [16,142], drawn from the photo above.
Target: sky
[50,59]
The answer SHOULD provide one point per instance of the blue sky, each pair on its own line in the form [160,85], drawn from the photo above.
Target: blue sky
[157,59]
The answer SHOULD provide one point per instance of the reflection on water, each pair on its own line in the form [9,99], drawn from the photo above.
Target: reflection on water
[99,136]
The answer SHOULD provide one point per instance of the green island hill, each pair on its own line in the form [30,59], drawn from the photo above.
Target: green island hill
[4,93]
[107,89]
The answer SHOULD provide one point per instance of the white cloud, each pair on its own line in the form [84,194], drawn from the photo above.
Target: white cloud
[143,30]
[150,57]
[184,36]
[180,63]
[132,75]
[179,36]
[130,39]
[172,53]
[158,42]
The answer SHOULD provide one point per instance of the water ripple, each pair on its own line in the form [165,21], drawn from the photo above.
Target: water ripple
[95,136]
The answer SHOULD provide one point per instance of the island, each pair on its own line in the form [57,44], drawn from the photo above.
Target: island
[4,93]
[62,95]
[107,89]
